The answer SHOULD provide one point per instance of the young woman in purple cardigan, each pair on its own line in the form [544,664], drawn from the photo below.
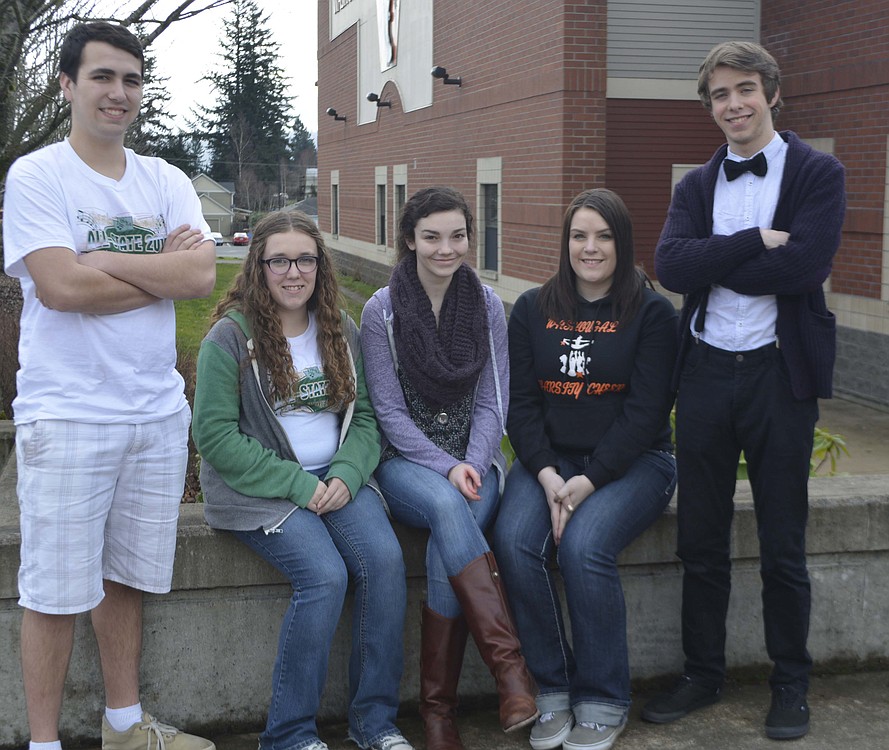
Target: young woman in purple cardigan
[435,356]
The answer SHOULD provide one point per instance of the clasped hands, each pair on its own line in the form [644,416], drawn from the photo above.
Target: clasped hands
[329,496]
[563,497]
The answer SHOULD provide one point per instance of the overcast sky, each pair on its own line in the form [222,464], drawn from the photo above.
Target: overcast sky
[188,51]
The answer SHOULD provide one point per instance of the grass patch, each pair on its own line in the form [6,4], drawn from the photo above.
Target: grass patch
[354,294]
[357,286]
[193,315]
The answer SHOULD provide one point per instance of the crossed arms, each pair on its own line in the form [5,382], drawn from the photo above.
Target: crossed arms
[793,259]
[103,282]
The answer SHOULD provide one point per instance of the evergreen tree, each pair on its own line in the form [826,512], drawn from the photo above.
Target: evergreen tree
[301,146]
[247,127]
[184,150]
[145,135]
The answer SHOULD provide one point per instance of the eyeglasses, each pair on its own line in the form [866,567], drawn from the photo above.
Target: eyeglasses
[280,266]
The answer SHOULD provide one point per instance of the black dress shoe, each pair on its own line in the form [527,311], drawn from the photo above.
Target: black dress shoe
[685,697]
[788,716]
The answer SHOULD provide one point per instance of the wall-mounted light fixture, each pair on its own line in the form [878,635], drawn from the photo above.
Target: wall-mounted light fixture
[332,112]
[372,97]
[440,72]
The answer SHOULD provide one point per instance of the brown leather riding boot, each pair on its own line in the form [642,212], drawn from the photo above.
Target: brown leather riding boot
[442,643]
[480,593]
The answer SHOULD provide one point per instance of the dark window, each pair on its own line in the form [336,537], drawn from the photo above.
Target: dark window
[491,223]
[381,214]
[335,209]
[400,200]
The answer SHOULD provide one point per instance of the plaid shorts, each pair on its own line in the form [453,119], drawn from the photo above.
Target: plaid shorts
[97,501]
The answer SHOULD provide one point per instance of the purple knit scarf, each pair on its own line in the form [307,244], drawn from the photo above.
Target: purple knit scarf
[444,364]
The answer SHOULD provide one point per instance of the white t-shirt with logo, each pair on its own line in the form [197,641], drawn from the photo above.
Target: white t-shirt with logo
[117,368]
[313,430]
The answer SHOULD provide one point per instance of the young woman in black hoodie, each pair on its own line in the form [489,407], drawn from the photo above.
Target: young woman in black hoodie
[591,353]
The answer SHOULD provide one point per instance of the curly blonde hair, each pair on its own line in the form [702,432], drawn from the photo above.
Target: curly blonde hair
[249,294]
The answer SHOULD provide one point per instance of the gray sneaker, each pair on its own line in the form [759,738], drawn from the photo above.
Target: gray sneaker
[391,742]
[551,729]
[592,736]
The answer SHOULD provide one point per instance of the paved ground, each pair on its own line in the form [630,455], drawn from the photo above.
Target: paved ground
[849,712]
[866,431]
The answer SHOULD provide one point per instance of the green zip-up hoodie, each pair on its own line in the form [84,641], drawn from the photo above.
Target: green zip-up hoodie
[250,473]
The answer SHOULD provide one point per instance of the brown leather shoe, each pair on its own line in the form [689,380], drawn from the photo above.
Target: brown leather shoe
[480,593]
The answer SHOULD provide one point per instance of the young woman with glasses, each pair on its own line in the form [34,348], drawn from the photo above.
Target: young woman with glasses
[288,440]
[434,344]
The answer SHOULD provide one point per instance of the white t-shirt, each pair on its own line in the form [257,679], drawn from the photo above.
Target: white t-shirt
[313,430]
[116,368]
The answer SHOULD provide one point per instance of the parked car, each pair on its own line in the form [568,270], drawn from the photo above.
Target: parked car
[240,238]
[217,236]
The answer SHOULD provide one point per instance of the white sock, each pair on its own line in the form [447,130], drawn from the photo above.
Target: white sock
[122,719]
[54,745]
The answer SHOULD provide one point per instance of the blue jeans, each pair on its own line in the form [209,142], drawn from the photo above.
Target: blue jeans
[591,675]
[318,554]
[424,499]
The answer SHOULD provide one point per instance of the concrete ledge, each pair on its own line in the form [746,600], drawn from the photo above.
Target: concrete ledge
[209,645]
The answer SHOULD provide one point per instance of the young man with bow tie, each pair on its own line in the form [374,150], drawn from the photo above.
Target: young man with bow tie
[749,240]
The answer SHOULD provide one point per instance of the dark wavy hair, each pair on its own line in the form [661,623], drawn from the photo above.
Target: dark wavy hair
[558,298]
[423,203]
[249,294]
[71,54]
[747,56]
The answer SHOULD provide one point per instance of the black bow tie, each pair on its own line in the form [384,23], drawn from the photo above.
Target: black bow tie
[734,169]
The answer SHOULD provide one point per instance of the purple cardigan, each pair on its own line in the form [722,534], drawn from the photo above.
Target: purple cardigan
[811,205]
[398,428]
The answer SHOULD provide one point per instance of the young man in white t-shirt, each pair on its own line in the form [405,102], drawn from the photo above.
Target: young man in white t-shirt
[103,241]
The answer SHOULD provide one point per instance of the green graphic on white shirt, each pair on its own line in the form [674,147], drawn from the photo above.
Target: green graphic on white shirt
[123,234]
[311,395]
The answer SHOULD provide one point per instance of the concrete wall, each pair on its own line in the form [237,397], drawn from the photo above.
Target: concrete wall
[209,645]
[861,365]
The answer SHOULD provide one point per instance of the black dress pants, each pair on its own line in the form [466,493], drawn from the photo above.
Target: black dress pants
[729,402]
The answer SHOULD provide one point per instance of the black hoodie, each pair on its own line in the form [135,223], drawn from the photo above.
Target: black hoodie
[591,387]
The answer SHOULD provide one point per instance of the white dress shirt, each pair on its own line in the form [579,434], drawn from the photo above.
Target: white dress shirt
[740,322]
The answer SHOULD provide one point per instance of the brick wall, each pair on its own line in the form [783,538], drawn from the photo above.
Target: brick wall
[834,58]
[645,139]
[533,94]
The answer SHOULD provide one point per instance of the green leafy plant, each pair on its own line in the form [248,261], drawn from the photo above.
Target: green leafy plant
[827,449]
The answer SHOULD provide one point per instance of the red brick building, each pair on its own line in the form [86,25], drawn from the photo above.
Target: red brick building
[556,97]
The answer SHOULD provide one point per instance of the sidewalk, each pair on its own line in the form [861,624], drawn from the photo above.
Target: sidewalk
[849,712]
